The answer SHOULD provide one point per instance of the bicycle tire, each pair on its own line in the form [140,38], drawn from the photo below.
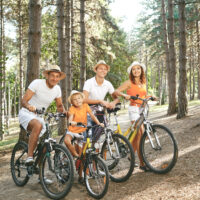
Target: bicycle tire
[57,166]
[61,141]
[162,158]
[122,165]
[17,164]
[96,176]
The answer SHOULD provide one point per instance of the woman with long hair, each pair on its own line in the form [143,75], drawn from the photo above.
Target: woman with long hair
[136,85]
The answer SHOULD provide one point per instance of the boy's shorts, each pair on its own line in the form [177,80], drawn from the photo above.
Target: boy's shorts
[80,137]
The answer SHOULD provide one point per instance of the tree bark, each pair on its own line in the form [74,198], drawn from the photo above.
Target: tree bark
[1,72]
[198,52]
[62,60]
[172,59]
[34,42]
[83,55]
[166,45]
[68,46]
[20,33]
[182,98]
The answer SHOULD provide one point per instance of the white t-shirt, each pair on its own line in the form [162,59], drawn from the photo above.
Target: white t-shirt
[98,92]
[44,95]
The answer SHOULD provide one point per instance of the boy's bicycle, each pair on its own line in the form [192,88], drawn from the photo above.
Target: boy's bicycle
[96,175]
[51,161]
[116,150]
[158,146]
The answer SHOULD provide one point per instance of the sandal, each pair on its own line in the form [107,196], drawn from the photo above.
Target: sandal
[145,168]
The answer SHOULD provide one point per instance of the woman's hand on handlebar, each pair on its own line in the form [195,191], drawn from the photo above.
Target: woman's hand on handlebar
[126,96]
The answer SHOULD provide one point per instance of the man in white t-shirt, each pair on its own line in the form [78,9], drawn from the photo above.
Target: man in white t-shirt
[96,88]
[40,94]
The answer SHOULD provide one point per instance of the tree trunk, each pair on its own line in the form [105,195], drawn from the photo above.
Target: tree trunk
[20,51]
[62,60]
[83,55]
[198,52]
[172,59]
[1,72]
[166,45]
[190,72]
[182,98]
[34,41]
[68,46]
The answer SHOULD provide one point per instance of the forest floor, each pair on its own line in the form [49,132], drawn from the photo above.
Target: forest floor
[182,183]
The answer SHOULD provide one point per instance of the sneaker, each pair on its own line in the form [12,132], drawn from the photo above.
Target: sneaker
[29,161]
[46,180]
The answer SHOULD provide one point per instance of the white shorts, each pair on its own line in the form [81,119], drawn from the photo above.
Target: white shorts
[79,137]
[134,113]
[25,116]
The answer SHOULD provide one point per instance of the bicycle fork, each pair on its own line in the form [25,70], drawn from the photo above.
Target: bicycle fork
[149,130]
[109,141]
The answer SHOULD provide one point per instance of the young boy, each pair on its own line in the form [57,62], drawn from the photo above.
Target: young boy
[78,113]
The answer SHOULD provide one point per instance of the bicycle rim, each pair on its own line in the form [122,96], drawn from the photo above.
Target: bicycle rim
[17,164]
[162,158]
[121,162]
[57,167]
[96,177]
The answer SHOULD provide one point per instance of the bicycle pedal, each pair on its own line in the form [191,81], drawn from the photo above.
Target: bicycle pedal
[30,170]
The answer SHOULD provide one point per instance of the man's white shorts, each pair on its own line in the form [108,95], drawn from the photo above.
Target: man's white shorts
[25,116]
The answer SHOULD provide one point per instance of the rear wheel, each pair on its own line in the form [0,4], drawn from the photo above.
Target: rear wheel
[96,177]
[57,167]
[119,156]
[17,164]
[159,149]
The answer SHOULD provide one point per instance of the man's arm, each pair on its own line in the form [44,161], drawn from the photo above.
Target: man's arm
[59,105]
[24,102]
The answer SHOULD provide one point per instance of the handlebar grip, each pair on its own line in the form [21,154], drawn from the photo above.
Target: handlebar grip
[134,97]
[80,124]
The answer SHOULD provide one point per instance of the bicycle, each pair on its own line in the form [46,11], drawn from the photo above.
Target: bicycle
[96,175]
[158,146]
[51,161]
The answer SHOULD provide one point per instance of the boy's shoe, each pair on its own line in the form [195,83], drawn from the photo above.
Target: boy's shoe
[29,161]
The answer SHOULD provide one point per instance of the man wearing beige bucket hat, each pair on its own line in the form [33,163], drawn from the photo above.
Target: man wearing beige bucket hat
[40,94]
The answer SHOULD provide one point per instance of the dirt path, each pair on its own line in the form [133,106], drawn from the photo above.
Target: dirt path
[183,182]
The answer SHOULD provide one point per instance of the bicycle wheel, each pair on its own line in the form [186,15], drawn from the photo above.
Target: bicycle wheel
[17,164]
[159,150]
[57,166]
[96,177]
[119,157]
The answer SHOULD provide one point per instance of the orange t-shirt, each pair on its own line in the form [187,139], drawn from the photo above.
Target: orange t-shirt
[80,115]
[136,90]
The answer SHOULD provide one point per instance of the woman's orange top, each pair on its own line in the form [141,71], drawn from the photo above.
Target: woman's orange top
[80,115]
[136,90]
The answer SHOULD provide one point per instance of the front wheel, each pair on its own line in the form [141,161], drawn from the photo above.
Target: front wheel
[17,164]
[119,157]
[159,149]
[57,167]
[96,176]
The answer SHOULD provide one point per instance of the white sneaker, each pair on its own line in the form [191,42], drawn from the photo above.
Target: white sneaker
[29,161]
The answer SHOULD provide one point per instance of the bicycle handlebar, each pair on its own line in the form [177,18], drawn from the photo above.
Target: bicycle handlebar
[138,98]
[50,115]
[80,124]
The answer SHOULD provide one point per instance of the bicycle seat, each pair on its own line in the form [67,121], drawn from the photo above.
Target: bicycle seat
[117,108]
